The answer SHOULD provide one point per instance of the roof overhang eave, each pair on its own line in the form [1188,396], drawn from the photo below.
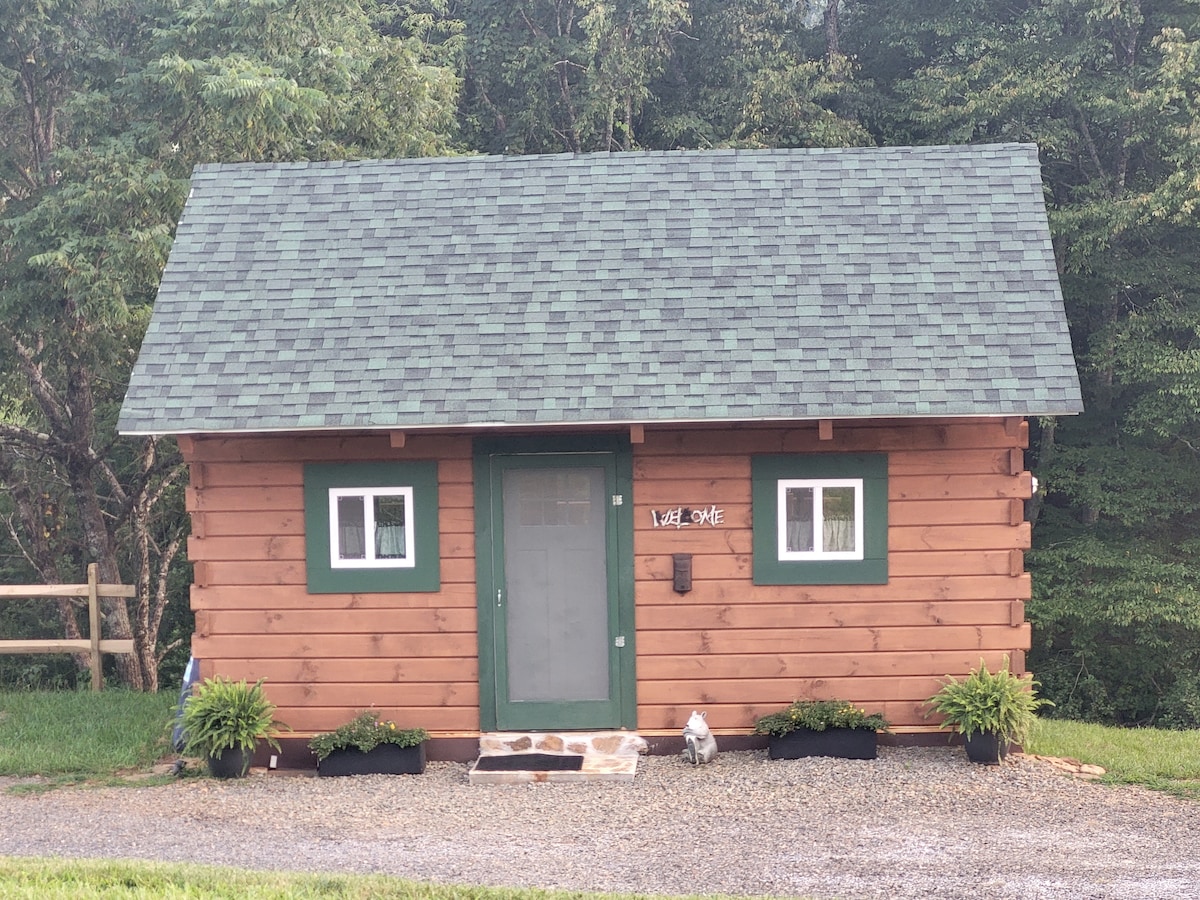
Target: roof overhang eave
[593,423]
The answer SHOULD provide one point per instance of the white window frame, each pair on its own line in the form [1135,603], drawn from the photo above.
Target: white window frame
[817,486]
[368,496]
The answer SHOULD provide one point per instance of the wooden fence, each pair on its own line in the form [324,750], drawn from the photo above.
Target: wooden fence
[93,644]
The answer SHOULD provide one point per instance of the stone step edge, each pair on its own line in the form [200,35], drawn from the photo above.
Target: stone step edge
[580,743]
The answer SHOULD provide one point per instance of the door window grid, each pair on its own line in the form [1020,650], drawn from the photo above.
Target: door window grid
[554,498]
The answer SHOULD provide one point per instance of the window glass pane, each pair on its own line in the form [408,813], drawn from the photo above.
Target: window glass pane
[799,519]
[351,528]
[838,511]
[389,527]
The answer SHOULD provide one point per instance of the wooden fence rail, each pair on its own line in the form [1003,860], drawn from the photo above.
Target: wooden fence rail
[93,644]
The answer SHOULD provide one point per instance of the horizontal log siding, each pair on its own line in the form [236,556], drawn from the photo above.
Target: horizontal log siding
[733,648]
[738,650]
[412,656]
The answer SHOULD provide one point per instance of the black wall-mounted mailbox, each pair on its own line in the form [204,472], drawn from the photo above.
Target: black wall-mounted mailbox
[682,565]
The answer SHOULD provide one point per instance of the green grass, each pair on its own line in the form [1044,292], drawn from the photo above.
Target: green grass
[80,734]
[1163,760]
[56,879]
[81,737]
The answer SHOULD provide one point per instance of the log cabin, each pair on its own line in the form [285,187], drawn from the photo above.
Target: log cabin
[586,442]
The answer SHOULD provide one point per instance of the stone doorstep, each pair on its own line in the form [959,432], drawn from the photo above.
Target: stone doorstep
[607,755]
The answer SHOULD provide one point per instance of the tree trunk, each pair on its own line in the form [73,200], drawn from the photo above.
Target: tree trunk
[1033,506]
[832,33]
[99,544]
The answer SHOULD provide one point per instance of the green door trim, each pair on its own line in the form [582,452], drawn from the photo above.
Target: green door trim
[489,453]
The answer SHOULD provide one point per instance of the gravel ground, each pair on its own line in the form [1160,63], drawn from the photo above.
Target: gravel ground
[914,823]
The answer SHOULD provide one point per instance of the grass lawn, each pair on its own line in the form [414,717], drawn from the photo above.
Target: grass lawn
[76,734]
[1164,760]
[56,879]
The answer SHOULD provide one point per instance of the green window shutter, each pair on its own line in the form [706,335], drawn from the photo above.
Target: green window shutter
[767,471]
[424,575]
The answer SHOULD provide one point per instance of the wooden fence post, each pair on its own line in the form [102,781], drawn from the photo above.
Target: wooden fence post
[94,619]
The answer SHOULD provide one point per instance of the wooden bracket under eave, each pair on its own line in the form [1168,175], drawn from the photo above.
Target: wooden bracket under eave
[825,429]
[637,434]
[396,439]
[187,446]
[1017,429]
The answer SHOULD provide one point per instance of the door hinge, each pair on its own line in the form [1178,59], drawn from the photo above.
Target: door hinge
[619,641]
[618,499]
[498,596]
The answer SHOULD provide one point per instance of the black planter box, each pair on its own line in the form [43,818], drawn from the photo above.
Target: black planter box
[385,759]
[845,743]
[986,748]
[232,763]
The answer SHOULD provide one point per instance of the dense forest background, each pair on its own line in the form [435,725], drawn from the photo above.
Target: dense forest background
[105,106]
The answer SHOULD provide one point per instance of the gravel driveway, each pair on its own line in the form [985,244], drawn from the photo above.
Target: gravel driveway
[914,823]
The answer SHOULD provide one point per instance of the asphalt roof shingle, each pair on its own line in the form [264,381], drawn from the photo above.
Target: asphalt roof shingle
[649,287]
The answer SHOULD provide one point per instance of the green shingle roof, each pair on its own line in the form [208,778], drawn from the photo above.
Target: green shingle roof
[630,287]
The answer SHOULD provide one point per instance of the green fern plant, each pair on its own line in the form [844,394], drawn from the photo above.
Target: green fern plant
[221,714]
[999,703]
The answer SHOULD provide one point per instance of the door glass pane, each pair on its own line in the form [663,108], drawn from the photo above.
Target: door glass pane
[389,527]
[838,510]
[799,519]
[351,528]
[555,572]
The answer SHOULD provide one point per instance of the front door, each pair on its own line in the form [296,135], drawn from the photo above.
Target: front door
[556,640]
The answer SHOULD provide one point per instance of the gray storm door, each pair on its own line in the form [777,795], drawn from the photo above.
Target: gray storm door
[554,646]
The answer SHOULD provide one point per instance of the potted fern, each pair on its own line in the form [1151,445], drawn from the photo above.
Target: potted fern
[991,710]
[223,721]
[368,745]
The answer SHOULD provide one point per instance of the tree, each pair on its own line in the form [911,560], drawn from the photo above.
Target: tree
[564,75]
[105,125]
[758,73]
[1108,92]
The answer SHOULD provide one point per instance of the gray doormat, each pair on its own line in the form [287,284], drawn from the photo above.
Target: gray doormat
[529,762]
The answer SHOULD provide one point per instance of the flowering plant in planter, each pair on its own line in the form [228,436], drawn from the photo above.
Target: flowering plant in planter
[365,732]
[819,715]
[368,745]
[822,728]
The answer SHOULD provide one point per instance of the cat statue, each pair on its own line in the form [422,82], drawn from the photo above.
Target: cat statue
[699,744]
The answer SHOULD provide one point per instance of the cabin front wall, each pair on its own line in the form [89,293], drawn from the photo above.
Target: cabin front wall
[954,593]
